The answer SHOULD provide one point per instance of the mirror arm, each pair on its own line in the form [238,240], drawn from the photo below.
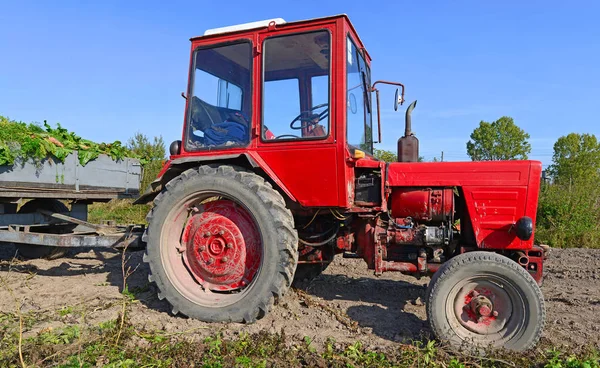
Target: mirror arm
[378,115]
[391,83]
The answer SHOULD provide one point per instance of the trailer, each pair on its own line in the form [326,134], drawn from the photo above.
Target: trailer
[35,217]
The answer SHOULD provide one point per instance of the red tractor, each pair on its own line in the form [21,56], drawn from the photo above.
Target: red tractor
[275,175]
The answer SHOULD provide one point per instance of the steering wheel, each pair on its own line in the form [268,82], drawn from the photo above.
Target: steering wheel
[286,136]
[309,120]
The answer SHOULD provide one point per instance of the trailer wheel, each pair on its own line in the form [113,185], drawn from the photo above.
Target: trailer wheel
[306,272]
[221,245]
[482,299]
[32,251]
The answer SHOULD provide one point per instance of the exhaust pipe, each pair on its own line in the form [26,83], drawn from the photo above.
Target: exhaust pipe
[408,146]
[522,258]
[408,119]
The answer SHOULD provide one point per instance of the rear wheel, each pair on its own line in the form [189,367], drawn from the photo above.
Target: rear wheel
[32,251]
[221,244]
[482,299]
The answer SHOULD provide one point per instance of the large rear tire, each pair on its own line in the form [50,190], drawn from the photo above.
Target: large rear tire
[31,251]
[482,299]
[221,245]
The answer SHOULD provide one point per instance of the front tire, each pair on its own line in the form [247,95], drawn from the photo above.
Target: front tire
[221,244]
[482,299]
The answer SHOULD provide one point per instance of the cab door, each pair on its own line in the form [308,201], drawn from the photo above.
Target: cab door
[296,134]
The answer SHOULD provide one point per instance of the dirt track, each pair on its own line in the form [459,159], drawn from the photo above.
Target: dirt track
[347,302]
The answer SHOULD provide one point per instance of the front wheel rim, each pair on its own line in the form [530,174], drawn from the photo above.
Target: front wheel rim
[486,310]
[211,249]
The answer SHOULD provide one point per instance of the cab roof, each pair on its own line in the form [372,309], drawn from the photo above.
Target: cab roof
[258,25]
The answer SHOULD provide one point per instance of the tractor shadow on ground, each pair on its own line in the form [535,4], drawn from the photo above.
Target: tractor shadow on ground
[90,261]
[389,308]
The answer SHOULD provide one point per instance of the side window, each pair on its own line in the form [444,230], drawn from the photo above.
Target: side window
[296,86]
[217,92]
[219,110]
[359,131]
[276,116]
[229,95]
[320,94]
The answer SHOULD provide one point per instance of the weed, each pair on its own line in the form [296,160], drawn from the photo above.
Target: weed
[65,311]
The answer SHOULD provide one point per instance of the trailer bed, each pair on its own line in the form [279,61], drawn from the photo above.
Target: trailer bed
[100,179]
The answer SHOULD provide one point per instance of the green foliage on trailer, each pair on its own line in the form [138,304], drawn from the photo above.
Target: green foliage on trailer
[37,142]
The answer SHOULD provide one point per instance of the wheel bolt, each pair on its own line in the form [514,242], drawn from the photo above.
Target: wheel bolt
[210,260]
[228,245]
[202,248]
[224,259]
[207,234]
[221,232]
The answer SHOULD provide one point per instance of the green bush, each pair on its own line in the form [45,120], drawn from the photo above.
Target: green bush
[154,154]
[569,214]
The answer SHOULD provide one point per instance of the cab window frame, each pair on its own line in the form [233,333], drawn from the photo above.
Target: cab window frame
[263,80]
[367,97]
[190,93]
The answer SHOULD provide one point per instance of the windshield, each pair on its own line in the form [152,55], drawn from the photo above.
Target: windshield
[296,86]
[358,117]
[220,105]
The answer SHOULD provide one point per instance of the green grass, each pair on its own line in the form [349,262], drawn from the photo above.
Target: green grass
[122,211]
[75,346]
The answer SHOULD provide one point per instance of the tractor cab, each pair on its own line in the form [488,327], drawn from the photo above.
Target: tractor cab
[292,98]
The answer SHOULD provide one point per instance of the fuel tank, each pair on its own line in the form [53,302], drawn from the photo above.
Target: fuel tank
[423,204]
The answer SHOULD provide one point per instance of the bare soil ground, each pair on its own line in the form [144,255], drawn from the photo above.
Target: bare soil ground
[347,302]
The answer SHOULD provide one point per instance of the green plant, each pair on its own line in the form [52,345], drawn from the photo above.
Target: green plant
[153,154]
[569,214]
[23,141]
[64,311]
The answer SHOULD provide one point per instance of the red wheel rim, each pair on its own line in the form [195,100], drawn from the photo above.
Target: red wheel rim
[211,249]
[222,246]
[486,309]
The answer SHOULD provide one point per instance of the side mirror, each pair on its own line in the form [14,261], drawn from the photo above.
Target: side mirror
[398,99]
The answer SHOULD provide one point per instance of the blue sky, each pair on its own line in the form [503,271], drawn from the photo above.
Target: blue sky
[107,69]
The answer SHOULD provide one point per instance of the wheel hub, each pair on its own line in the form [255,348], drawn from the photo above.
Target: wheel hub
[221,246]
[483,307]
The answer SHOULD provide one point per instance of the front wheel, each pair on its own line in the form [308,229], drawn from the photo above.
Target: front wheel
[221,244]
[482,299]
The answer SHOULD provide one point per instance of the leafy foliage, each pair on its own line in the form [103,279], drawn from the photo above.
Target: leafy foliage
[569,205]
[569,214]
[384,155]
[576,156]
[32,141]
[153,154]
[389,156]
[499,140]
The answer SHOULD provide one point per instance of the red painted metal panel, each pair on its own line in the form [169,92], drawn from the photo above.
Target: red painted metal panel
[493,211]
[309,173]
[496,193]
[459,173]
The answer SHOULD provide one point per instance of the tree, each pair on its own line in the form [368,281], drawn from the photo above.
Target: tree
[152,153]
[499,140]
[389,156]
[141,145]
[385,155]
[576,156]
